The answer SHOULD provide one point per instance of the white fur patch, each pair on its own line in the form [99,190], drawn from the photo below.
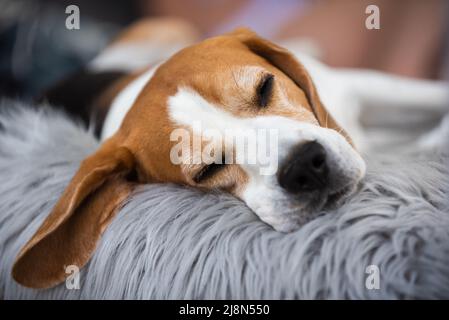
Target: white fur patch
[123,102]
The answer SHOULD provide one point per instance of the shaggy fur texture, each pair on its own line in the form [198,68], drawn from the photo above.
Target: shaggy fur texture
[174,242]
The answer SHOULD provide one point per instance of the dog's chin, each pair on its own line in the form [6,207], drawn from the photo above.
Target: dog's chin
[316,205]
[336,199]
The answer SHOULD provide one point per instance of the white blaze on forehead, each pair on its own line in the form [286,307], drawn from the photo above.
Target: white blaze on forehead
[188,107]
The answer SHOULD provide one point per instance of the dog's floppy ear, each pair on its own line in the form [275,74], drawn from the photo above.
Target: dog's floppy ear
[285,61]
[69,235]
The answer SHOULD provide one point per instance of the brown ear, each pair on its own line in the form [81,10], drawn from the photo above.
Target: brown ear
[69,235]
[288,64]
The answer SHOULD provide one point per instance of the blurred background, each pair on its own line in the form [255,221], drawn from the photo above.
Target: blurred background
[36,49]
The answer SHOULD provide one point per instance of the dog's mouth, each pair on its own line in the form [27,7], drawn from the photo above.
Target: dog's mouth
[335,199]
[320,203]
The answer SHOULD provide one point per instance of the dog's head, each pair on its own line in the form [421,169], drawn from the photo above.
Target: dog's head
[216,92]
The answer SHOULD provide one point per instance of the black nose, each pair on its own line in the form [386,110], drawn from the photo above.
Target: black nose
[305,170]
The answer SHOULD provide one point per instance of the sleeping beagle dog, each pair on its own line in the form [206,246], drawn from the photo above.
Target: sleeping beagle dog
[237,81]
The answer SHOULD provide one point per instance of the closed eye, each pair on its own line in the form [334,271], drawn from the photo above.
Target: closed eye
[208,172]
[265,90]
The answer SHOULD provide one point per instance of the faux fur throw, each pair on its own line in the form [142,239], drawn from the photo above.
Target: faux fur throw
[391,240]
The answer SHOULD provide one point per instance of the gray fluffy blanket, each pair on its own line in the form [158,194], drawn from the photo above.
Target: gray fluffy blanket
[173,242]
